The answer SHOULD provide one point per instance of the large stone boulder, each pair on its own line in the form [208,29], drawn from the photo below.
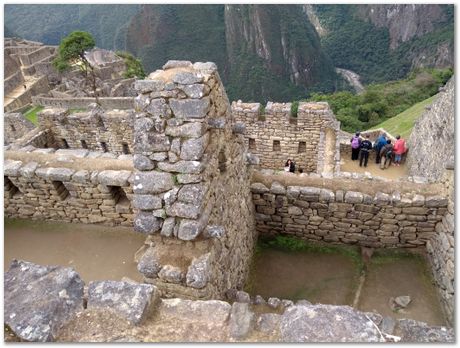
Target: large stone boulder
[131,301]
[327,323]
[415,331]
[39,299]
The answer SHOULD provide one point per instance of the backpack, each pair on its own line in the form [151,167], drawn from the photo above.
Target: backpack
[355,142]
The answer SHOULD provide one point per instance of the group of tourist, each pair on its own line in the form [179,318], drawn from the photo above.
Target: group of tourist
[385,152]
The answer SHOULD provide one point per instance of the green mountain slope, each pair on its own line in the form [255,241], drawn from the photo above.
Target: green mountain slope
[403,123]
[385,42]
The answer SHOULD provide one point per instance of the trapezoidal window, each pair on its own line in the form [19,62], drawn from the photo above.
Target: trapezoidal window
[302,147]
[11,189]
[125,148]
[61,191]
[276,145]
[65,145]
[104,146]
[12,128]
[84,145]
[118,195]
[252,144]
[222,162]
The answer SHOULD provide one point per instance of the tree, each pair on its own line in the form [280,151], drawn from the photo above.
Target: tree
[134,66]
[71,52]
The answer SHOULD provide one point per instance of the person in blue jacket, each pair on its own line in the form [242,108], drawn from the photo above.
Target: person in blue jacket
[379,143]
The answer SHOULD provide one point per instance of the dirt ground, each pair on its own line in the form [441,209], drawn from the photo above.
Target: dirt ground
[316,277]
[392,172]
[96,252]
[392,277]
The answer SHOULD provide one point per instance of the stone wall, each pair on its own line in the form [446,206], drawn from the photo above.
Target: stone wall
[317,213]
[39,86]
[37,55]
[12,82]
[275,135]
[96,129]
[121,103]
[34,190]
[432,141]
[15,126]
[441,251]
[192,184]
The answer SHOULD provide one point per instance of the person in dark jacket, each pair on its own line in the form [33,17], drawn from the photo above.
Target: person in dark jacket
[289,166]
[355,144]
[365,147]
[379,143]
[385,155]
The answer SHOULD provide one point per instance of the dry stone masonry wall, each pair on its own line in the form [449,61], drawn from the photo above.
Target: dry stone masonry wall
[316,213]
[96,129]
[432,138]
[191,184]
[275,135]
[15,126]
[35,191]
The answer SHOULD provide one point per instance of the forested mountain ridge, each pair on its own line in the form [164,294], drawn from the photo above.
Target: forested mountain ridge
[385,42]
[264,52]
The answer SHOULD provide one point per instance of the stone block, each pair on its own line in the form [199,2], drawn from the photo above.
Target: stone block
[259,188]
[168,227]
[38,299]
[11,168]
[189,229]
[436,201]
[293,192]
[277,189]
[146,223]
[81,177]
[149,263]
[190,108]
[159,110]
[293,210]
[171,64]
[195,91]
[330,324]
[184,210]
[326,196]
[28,170]
[55,174]
[143,163]
[198,272]
[187,130]
[187,77]
[184,167]
[147,202]
[241,320]
[114,177]
[188,178]
[418,201]
[214,231]
[147,86]
[171,274]
[193,149]
[152,182]
[415,210]
[132,301]
[381,198]
[353,197]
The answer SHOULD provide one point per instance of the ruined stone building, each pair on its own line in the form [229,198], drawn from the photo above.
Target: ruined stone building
[188,169]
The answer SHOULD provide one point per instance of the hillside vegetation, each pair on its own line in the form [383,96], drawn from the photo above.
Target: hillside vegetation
[403,123]
[354,43]
[380,102]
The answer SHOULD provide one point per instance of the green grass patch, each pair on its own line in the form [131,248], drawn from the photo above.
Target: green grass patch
[31,114]
[383,256]
[292,244]
[75,110]
[404,122]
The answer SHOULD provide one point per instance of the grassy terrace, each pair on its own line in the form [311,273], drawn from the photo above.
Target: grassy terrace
[404,122]
[31,114]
